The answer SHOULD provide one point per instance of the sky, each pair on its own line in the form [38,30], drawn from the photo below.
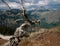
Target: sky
[32,4]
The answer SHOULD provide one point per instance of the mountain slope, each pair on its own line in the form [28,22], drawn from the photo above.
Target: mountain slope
[8,19]
[44,37]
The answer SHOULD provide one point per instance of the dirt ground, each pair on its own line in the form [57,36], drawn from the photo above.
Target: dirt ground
[44,37]
[50,37]
[2,41]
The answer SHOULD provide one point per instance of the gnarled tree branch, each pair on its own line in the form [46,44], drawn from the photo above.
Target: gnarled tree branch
[24,13]
[6,4]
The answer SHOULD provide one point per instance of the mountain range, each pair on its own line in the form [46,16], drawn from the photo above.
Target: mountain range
[45,16]
[48,18]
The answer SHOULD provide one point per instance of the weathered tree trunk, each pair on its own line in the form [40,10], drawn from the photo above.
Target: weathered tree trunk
[24,13]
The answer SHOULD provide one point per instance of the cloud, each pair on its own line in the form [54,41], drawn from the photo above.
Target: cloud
[42,3]
[33,3]
[13,5]
[27,4]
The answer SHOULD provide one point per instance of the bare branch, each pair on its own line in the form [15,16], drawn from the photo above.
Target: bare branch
[21,2]
[20,29]
[24,13]
[6,4]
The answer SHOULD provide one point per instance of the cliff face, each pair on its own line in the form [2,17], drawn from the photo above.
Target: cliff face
[45,37]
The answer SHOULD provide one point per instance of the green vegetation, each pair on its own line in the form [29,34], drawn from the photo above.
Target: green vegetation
[6,30]
[11,19]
